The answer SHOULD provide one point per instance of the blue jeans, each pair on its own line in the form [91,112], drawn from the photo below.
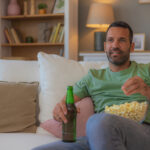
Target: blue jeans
[108,132]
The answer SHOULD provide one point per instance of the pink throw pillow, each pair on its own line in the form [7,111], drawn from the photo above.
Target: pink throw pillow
[86,110]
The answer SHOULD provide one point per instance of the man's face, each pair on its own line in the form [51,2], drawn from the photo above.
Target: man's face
[117,45]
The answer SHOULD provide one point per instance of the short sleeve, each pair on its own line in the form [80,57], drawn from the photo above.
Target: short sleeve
[80,88]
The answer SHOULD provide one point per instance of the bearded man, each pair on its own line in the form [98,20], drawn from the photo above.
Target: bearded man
[123,81]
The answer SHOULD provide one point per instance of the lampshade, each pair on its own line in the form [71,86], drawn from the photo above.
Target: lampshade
[100,15]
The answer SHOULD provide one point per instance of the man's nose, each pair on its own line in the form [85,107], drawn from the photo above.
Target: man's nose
[116,43]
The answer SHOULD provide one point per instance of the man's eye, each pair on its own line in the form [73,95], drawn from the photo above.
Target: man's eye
[109,40]
[122,40]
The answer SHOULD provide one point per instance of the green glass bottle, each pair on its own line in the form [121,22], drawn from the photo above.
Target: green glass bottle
[69,128]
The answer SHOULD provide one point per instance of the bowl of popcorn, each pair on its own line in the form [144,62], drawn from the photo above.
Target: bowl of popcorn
[133,110]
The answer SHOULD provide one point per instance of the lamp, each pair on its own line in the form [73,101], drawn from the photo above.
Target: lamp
[100,16]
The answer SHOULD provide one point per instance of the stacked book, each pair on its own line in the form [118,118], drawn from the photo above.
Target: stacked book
[12,36]
[57,35]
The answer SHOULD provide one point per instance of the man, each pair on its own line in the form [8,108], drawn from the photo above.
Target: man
[124,81]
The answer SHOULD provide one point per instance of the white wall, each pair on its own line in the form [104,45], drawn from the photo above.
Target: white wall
[137,15]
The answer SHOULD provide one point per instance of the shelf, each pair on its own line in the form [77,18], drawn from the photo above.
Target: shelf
[18,58]
[32,44]
[92,51]
[144,2]
[33,16]
[139,56]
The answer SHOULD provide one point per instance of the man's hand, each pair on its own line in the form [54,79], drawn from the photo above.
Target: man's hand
[136,85]
[60,109]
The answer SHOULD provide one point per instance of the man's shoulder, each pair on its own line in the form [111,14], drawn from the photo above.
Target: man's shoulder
[141,65]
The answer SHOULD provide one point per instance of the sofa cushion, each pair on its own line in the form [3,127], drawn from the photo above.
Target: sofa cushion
[56,73]
[17,106]
[19,71]
[24,141]
[86,110]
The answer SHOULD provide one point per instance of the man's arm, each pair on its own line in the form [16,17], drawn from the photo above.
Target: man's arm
[136,85]
[60,109]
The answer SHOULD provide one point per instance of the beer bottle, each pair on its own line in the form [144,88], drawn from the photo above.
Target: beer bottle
[69,128]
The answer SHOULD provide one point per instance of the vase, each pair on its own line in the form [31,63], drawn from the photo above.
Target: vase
[13,8]
[42,11]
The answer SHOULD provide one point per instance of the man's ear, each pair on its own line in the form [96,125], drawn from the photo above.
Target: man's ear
[132,47]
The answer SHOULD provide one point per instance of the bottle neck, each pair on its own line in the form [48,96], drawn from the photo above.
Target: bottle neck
[69,97]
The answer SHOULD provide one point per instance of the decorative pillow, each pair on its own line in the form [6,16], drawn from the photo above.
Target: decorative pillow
[17,106]
[56,73]
[86,110]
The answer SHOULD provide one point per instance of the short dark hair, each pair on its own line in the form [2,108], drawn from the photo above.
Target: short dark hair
[122,24]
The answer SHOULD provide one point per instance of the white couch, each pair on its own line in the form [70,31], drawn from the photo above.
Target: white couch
[53,73]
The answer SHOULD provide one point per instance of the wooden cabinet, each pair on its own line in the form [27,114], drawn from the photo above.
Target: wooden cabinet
[28,25]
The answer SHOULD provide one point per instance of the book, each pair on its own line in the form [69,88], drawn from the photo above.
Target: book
[61,39]
[52,3]
[56,32]
[25,7]
[52,34]
[11,36]
[59,33]
[8,36]
[15,35]
[59,7]
[32,7]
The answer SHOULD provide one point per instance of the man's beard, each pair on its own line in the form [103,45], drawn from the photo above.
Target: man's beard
[124,57]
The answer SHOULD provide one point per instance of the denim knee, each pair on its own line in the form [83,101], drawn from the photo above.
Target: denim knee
[101,122]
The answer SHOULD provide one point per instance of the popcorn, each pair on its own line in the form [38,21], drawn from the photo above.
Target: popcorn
[134,110]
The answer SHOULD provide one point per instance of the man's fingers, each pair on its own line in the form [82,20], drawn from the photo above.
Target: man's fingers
[78,109]
[58,113]
[133,89]
[130,82]
[63,107]
[63,118]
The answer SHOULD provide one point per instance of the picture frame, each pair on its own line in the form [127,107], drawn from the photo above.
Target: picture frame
[139,41]
[144,1]
[59,6]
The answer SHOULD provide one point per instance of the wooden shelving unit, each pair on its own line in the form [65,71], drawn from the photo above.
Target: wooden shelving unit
[28,25]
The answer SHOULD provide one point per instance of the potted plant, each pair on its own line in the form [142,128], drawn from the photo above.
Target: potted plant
[42,8]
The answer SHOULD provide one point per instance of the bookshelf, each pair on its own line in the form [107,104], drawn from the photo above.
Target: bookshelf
[28,25]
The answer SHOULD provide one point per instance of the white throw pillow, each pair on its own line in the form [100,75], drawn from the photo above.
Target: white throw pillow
[56,73]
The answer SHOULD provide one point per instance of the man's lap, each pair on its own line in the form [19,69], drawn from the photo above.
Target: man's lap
[80,144]
[134,134]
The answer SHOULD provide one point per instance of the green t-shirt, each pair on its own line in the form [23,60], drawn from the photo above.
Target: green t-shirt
[104,86]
